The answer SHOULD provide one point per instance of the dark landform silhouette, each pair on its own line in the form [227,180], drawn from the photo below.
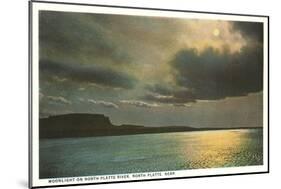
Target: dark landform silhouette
[89,125]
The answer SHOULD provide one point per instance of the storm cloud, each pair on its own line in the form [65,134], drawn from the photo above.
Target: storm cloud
[250,30]
[66,35]
[87,74]
[213,75]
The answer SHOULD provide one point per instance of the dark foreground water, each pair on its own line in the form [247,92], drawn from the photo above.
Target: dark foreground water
[149,152]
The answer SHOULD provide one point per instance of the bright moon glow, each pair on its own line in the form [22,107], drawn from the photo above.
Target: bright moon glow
[216,32]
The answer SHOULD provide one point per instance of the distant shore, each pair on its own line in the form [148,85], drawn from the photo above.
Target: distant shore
[90,125]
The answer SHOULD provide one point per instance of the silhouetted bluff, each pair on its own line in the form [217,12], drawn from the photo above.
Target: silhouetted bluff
[87,125]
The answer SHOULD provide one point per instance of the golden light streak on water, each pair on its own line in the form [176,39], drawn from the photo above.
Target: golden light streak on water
[217,148]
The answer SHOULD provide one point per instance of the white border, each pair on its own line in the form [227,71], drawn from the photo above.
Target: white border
[34,165]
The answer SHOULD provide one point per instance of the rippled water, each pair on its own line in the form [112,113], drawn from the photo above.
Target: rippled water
[149,152]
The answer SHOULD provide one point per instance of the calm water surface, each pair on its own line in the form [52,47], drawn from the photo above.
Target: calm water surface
[149,152]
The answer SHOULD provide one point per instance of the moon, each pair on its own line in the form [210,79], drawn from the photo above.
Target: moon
[216,32]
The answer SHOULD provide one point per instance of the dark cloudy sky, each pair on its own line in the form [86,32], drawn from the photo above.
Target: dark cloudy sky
[150,70]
